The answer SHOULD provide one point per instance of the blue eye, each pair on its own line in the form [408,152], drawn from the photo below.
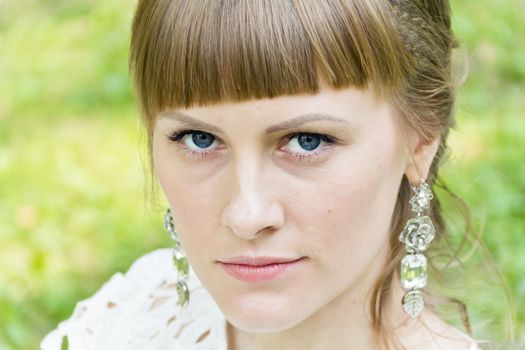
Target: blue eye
[309,141]
[202,139]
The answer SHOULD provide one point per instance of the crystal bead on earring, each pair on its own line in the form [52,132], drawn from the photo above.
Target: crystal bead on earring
[179,261]
[417,236]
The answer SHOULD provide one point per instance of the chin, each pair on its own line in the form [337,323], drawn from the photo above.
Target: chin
[264,315]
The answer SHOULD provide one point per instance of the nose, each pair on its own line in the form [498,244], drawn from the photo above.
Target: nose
[252,208]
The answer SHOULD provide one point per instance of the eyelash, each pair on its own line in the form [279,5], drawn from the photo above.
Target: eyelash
[176,137]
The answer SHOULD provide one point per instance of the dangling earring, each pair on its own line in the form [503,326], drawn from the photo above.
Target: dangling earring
[179,261]
[417,235]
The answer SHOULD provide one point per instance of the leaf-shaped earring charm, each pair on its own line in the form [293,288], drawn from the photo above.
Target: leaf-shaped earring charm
[183,294]
[413,303]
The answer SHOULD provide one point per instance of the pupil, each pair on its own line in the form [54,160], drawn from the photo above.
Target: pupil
[309,142]
[202,139]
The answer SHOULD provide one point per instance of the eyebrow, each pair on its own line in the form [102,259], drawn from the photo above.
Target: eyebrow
[288,124]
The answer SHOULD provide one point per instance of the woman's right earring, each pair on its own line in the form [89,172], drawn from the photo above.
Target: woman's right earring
[179,261]
[417,235]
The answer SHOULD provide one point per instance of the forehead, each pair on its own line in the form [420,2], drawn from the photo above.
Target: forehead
[345,103]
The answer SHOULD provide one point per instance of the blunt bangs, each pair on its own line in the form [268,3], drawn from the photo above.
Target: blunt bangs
[197,53]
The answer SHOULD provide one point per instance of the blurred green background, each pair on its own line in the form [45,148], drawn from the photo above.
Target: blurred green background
[72,186]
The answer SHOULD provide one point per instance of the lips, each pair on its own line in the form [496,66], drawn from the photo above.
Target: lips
[258,261]
[259,269]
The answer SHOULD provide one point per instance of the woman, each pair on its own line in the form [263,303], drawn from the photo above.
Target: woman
[297,144]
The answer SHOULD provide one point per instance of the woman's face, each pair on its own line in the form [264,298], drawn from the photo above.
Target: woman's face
[254,180]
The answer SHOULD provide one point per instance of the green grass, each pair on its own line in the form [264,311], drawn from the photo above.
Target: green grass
[72,201]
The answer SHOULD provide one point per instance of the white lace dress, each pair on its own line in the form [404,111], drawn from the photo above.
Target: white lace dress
[137,310]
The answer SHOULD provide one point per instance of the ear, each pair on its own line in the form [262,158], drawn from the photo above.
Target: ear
[420,159]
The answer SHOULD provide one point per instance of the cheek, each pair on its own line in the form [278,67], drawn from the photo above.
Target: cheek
[347,218]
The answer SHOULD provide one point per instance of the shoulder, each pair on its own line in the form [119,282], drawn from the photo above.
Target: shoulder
[432,333]
[138,310]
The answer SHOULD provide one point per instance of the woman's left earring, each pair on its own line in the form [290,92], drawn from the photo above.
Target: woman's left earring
[179,261]
[417,235]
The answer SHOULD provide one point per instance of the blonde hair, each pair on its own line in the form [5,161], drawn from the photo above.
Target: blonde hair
[197,53]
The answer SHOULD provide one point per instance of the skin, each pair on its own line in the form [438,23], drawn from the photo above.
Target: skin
[246,197]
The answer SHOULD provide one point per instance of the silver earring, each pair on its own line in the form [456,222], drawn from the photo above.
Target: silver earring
[179,261]
[417,235]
